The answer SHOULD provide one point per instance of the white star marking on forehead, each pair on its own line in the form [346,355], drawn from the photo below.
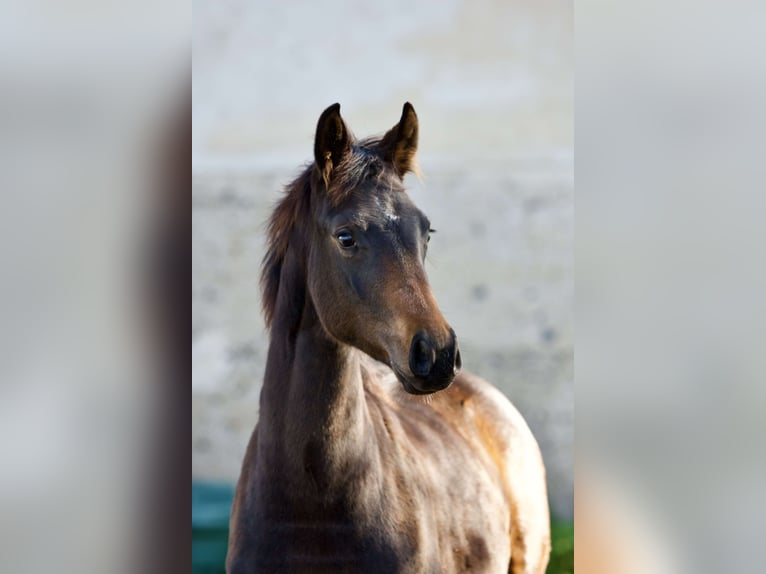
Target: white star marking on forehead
[387,212]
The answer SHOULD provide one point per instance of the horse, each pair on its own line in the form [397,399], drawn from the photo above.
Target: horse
[374,452]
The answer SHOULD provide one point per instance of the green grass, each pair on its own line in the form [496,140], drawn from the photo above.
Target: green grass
[562,552]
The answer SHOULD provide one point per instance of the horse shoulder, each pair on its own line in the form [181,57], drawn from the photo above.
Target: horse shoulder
[514,450]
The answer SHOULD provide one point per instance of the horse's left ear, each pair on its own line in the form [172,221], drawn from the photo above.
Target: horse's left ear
[400,143]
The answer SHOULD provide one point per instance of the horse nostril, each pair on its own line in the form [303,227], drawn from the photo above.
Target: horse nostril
[422,356]
[458,361]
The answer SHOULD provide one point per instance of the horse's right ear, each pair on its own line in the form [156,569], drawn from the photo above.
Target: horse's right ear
[332,141]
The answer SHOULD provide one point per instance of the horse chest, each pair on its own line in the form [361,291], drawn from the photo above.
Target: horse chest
[399,536]
[404,517]
[337,548]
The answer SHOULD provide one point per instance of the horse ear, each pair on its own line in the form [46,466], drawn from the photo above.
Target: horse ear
[400,143]
[332,141]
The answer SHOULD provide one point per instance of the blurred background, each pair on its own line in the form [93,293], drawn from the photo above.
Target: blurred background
[492,83]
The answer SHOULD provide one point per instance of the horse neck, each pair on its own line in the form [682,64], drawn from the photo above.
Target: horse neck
[313,416]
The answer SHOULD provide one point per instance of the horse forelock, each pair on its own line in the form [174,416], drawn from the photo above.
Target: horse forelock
[360,168]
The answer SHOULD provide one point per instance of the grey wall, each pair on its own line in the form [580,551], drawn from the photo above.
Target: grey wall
[492,85]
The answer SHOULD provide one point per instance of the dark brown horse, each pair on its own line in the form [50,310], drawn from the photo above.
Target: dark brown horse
[347,472]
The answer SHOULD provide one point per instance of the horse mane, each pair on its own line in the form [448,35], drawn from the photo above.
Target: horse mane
[287,212]
[363,164]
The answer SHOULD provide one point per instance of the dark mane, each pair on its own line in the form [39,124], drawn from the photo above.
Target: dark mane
[289,209]
[363,165]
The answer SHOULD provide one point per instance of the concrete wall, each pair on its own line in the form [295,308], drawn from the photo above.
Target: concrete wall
[492,85]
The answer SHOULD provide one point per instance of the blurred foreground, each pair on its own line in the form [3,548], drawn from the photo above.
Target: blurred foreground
[94,259]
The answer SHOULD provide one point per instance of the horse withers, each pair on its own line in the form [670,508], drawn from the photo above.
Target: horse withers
[350,469]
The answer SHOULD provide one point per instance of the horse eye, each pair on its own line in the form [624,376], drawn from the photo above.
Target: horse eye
[430,231]
[345,238]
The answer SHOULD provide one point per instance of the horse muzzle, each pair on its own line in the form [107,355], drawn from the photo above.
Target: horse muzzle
[433,367]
